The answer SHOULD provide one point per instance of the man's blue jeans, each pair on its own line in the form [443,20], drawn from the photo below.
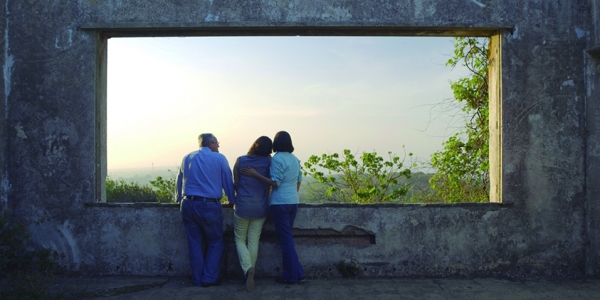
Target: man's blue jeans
[203,222]
[283,219]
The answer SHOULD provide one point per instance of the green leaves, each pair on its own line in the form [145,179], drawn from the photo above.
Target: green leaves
[366,179]
[161,190]
[123,191]
[164,189]
[463,166]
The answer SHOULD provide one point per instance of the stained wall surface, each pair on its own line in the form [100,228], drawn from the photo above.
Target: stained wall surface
[593,147]
[52,136]
[3,112]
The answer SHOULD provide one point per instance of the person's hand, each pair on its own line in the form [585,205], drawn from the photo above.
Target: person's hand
[248,171]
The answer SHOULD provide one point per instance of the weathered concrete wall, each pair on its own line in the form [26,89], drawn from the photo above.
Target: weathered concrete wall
[593,144]
[543,124]
[3,110]
[384,240]
[52,127]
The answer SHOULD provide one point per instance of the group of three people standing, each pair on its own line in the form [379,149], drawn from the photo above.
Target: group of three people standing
[261,185]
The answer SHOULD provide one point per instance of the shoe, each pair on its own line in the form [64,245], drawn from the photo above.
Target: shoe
[283,280]
[209,284]
[301,279]
[250,279]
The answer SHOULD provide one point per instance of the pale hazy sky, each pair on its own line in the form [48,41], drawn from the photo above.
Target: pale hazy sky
[329,93]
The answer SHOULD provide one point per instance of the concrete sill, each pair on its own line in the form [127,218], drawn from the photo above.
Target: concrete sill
[475,206]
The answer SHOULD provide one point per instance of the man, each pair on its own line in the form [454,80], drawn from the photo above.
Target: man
[202,177]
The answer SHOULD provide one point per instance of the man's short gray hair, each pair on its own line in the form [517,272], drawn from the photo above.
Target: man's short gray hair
[205,138]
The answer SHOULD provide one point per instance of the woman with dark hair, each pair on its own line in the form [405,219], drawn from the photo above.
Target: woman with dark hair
[251,205]
[285,178]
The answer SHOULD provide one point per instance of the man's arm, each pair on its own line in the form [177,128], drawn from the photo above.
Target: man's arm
[227,180]
[179,184]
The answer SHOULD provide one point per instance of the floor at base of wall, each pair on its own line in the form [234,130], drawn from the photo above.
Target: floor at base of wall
[149,288]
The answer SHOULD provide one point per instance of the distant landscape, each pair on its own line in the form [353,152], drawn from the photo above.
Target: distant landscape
[143,176]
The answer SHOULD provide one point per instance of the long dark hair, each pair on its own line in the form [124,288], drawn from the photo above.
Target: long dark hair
[283,142]
[261,147]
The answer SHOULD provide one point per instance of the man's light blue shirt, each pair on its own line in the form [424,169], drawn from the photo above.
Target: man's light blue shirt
[204,173]
[285,171]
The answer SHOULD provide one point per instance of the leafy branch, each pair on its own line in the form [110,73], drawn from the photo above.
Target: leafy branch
[365,179]
[463,166]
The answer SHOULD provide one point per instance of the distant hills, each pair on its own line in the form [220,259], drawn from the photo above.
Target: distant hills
[419,180]
[142,175]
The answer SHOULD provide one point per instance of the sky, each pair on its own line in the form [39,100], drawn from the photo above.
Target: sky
[330,93]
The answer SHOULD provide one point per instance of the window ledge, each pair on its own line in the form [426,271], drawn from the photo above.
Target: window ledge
[485,205]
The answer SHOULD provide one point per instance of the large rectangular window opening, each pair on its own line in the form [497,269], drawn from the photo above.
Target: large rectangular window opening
[331,93]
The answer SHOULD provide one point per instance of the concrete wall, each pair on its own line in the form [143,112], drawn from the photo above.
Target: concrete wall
[384,240]
[52,141]
[593,146]
[3,110]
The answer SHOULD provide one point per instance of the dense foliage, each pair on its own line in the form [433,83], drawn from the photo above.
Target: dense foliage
[164,188]
[365,179]
[463,166]
[161,190]
[124,191]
